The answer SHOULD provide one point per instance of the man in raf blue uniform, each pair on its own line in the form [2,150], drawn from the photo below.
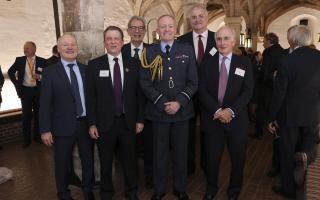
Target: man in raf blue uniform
[168,78]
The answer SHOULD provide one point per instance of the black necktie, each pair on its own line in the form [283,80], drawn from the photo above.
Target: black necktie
[136,53]
[117,87]
[75,89]
[167,50]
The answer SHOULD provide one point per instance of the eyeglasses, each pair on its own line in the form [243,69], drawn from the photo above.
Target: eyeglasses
[140,28]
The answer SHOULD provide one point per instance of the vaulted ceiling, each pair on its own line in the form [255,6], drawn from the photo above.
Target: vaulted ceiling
[258,14]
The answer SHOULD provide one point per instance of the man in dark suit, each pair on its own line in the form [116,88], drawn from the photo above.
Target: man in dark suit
[271,56]
[203,43]
[55,56]
[25,74]
[225,89]
[137,30]
[169,88]
[115,102]
[296,97]
[1,84]
[63,117]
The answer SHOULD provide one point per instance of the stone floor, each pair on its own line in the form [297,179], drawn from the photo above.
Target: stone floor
[34,179]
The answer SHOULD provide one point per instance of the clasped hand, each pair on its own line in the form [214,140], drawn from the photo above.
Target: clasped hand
[223,115]
[171,107]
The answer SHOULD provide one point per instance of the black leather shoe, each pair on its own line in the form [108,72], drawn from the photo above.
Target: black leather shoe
[300,169]
[157,197]
[279,191]
[88,196]
[273,172]
[208,196]
[181,195]
[74,180]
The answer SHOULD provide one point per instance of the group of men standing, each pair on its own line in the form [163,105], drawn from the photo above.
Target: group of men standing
[116,98]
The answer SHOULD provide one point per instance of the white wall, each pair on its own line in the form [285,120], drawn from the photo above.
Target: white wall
[20,21]
[280,25]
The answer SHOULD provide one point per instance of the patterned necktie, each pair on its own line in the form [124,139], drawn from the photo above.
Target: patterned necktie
[117,87]
[167,49]
[223,79]
[75,89]
[200,50]
[136,53]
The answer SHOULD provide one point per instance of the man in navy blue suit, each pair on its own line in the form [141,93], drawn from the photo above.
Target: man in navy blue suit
[225,89]
[63,117]
[25,74]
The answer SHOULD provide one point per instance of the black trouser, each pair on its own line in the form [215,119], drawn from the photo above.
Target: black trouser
[293,139]
[163,134]
[236,135]
[30,109]
[147,135]
[127,148]
[63,148]
[192,139]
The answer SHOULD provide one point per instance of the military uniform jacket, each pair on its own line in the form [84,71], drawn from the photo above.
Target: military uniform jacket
[179,82]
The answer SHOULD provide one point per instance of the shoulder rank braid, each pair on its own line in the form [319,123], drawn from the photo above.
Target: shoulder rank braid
[155,67]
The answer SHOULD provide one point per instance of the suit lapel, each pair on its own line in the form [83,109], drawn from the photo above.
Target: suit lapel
[63,75]
[126,72]
[214,71]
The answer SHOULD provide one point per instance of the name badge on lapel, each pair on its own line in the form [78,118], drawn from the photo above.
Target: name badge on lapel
[240,72]
[40,69]
[213,51]
[104,73]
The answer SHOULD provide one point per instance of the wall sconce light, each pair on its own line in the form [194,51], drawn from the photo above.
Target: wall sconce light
[155,37]
[148,28]
[242,39]
[248,43]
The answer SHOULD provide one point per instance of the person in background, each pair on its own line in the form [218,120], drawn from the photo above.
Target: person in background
[55,56]
[204,46]
[137,31]
[25,74]
[296,99]
[1,85]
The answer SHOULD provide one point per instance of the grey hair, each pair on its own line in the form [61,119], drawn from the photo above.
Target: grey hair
[166,15]
[300,35]
[229,28]
[66,34]
[200,6]
[139,18]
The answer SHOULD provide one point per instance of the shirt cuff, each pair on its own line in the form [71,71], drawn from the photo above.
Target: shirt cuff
[232,113]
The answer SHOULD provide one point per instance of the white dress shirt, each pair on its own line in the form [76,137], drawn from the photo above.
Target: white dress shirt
[111,65]
[204,39]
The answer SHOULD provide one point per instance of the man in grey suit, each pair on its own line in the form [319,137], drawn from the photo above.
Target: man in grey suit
[63,117]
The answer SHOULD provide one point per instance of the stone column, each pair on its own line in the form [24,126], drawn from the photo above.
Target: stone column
[255,40]
[85,19]
[235,23]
